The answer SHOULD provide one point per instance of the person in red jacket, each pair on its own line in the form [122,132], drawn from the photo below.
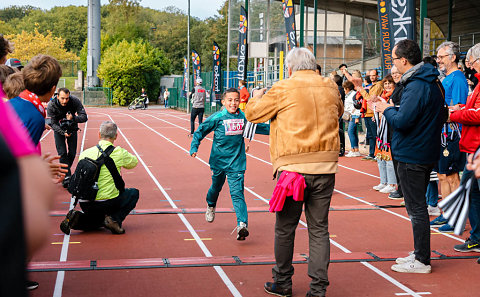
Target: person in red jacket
[244,94]
[469,116]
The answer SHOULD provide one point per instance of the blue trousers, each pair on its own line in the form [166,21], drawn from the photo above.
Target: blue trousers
[236,185]
[432,193]
[371,135]
[474,211]
[352,134]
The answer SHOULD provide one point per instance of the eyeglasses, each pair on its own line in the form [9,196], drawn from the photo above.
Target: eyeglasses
[471,63]
[441,57]
[393,59]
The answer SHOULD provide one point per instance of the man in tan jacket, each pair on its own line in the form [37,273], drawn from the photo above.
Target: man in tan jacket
[304,112]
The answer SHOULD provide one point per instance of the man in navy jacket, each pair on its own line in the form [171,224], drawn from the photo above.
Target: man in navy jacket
[416,128]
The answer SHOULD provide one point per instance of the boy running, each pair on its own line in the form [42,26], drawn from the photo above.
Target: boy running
[227,157]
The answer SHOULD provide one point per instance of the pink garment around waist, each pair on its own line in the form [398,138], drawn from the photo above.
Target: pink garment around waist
[289,184]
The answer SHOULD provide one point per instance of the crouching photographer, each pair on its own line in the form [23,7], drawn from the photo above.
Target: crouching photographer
[66,111]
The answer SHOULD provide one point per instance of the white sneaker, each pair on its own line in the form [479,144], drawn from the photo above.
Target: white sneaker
[412,267]
[379,187]
[409,258]
[242,231]
[434,211]
[210,214]
[387,189]
[350,154]
[357,154]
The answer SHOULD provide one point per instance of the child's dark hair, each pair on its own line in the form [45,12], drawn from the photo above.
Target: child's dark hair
[230,90]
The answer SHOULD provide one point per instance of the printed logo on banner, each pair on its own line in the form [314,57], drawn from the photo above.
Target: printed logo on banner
[287,8]
[195,58]
[216,52]
[233,126]
[243,24]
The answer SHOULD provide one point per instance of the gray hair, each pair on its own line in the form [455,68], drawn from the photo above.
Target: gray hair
[451,48]
[473,52]
[108,130]
[300,58]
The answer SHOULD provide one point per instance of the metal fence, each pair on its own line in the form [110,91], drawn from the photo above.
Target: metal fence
[97,96]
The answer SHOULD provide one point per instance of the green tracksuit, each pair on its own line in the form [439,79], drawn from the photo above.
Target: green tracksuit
[227,157]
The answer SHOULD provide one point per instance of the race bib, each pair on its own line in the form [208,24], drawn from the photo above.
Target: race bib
[233,126]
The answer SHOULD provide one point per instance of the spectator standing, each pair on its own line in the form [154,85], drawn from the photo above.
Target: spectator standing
[416,125]
[166,95]
[66,111]
[198,105]
[469,116]
[452,160]
[307,145]
[111,205]
[354,118]
[244,94]
[338,80]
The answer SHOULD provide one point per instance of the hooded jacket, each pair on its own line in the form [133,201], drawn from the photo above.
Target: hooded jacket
[469,117]
[417,122]
[58,112]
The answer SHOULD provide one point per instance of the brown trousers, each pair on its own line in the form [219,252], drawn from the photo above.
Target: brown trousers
[318,194]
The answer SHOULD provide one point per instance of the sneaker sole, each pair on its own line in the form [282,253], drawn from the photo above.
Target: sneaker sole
[276,294]
[399,269]
[394,198]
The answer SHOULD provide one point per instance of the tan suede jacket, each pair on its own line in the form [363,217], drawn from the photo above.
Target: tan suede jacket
[304,112]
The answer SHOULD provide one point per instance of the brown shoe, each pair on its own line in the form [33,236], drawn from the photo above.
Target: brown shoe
[113,226]
[275,289]
[70,221]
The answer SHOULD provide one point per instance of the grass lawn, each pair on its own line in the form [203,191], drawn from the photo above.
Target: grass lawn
[69,82]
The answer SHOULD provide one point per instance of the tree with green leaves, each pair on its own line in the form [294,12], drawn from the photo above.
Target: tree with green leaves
[126,67]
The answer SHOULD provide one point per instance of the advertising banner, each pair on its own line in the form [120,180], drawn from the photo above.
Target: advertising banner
[242,45]
[289,14]
[217,74]
[197,65]
[185,77]
[397,22]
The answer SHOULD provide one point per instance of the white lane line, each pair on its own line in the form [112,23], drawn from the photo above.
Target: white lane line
[187,224]
[66,239]
[371,267]
[343,193]
[43,137]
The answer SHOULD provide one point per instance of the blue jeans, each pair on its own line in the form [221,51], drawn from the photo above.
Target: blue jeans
[166,103]
[474,212]
[352,133]
[432,193]
[371,135]
[387,173]
[236,185]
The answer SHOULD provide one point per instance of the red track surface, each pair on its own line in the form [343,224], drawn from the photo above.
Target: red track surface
[170,250]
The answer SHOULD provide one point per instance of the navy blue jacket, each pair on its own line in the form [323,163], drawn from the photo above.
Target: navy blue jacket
[417,123]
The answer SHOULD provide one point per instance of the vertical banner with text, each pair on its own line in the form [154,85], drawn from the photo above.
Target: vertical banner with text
[242,45]
[397,22]
[217,74]
[197,65]
[289,14]
[185,77]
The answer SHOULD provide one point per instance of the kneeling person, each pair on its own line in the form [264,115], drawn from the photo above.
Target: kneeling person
[110,207]
[227,157]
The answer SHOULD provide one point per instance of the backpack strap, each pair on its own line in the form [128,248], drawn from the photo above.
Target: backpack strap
[110,164]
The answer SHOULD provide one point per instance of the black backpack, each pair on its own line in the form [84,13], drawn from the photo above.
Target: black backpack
[83,183]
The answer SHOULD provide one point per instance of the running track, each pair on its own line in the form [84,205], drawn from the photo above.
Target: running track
[169,249]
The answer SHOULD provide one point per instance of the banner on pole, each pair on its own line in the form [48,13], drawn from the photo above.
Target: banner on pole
[217,74]
[197,65]
[185,78]
[397,22]
[242,45]
[289,14]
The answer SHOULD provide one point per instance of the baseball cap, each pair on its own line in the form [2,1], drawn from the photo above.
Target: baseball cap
[15,63]
[199,81]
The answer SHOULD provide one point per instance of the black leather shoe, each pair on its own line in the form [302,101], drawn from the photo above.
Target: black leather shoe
[274,289]
[113,226]
[395,195]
